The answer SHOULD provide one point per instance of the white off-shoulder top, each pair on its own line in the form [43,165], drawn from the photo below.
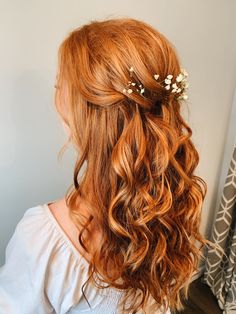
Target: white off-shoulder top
[44,272]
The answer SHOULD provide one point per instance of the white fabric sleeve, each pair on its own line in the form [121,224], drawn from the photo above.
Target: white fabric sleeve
[20,290]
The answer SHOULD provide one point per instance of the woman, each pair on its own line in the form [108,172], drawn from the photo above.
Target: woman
[131,221]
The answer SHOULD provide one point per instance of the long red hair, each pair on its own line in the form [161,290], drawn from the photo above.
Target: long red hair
[139,179]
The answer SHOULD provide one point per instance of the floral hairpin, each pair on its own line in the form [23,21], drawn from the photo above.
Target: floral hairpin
[179,86]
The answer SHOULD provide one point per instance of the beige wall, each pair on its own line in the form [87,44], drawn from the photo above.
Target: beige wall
[30,133]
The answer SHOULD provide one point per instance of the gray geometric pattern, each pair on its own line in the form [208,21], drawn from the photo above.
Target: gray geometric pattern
[220,272]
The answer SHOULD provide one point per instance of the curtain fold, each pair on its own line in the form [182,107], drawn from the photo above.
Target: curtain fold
[220,271]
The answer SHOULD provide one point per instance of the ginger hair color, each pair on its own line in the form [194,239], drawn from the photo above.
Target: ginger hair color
[140,161]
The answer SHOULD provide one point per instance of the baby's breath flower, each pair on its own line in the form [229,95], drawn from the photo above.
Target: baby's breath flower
[179,86]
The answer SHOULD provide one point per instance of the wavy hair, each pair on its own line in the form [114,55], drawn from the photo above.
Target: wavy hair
[139,179]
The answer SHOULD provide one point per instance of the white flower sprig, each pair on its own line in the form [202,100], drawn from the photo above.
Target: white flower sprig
[181,79]
[179,86]
[140,88]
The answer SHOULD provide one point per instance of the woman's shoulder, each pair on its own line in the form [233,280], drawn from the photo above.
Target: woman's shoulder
[59,213]
[40,257]
[48,228]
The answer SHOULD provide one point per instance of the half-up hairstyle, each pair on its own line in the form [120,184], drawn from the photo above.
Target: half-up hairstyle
[139,181]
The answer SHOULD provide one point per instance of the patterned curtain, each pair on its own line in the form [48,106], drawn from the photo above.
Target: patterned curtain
[220,271]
